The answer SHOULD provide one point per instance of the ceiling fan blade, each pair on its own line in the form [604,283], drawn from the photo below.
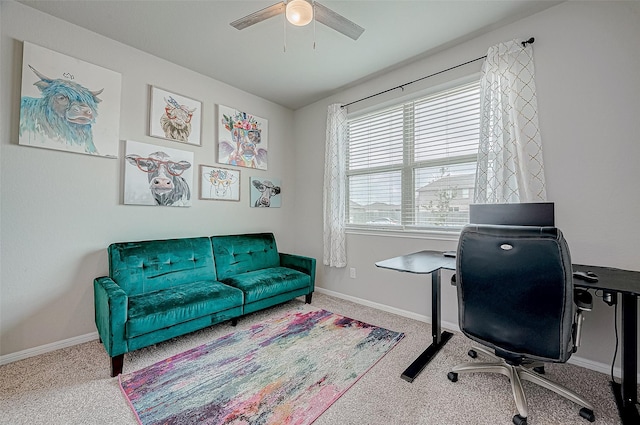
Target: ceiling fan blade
[328,17]
[259,16]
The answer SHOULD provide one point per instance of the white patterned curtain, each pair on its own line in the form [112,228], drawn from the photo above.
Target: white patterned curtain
[334,196]
[510,167]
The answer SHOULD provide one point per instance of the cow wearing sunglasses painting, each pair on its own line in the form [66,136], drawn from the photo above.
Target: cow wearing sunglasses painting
[167,186]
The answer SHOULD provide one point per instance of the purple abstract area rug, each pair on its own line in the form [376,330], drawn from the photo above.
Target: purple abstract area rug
[284,371]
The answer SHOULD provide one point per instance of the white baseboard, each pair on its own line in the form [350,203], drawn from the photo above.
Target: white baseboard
[388,309]
[31,352]
[575,360]
[598,367]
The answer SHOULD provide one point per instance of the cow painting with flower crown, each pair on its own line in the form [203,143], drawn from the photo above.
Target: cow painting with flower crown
[243,139]
[220,183]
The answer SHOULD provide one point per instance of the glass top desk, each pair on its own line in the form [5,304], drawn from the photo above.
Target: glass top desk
[611,280]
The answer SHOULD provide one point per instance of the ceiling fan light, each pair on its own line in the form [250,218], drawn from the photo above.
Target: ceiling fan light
[299,12]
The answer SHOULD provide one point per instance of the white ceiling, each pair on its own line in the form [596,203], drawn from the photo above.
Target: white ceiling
[197,35]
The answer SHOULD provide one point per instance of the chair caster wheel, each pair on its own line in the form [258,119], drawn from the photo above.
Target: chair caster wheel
[453,377]
[519,420]
[539,369]
[587,414]
[472,353]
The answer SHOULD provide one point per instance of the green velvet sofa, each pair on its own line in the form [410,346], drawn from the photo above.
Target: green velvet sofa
[157,290]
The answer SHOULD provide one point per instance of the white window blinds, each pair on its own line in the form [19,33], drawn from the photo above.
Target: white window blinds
[413,165]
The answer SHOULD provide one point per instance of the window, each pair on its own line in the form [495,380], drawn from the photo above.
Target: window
[412,166]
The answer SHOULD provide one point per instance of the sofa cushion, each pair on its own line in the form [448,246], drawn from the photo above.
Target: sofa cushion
[147,266]
[244,253]
[265,283]
[161,309]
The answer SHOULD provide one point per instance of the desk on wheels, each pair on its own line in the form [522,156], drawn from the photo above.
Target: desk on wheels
[425,262]
[616,281]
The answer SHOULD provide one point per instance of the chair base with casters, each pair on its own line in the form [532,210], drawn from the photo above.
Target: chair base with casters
[517,373]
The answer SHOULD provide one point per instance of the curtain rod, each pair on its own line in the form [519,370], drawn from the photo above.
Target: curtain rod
[402,86]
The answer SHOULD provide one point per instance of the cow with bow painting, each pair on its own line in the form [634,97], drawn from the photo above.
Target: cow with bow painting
[157,178]
[64,113]
[176,120]
[174,117]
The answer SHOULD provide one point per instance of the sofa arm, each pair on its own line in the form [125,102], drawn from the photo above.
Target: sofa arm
[306,265]
[111,314]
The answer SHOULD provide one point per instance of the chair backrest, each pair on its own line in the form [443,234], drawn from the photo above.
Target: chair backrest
[515,290]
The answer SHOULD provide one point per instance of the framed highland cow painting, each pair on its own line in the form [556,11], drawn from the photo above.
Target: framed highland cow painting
[175,117]
[67,104]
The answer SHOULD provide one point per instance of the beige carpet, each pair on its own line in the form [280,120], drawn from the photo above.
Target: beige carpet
[72,385]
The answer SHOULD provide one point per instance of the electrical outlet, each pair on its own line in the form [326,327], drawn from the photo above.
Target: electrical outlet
[352,273]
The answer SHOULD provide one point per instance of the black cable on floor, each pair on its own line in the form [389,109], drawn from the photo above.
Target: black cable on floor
[615,327]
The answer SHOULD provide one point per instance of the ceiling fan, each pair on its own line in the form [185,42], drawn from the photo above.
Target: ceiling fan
[300,13]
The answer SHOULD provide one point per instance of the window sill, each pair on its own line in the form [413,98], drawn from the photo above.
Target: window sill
[452,235]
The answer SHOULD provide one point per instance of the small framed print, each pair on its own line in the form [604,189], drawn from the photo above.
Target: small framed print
[265,193]
[175,117]
[219,184]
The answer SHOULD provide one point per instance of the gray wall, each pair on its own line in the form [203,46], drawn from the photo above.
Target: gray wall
[59,211]
[587,61]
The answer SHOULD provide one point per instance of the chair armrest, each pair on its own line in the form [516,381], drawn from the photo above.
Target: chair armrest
[584,302]
[306,265]
[111,314]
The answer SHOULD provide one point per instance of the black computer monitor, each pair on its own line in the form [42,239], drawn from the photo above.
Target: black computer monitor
[525,214]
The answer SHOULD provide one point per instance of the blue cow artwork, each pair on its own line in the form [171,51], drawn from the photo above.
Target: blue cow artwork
[64,113]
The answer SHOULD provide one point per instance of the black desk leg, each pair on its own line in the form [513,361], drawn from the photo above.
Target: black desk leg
[626,392]
[439,338]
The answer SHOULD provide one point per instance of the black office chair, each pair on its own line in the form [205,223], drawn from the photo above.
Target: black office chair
[516,297]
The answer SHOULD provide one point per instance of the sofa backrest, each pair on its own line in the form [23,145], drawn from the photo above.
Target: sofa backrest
[139,267]
[237,254]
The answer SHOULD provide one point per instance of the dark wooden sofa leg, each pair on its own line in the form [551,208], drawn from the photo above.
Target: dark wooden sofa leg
[116,365]
[307,298]
[234,321]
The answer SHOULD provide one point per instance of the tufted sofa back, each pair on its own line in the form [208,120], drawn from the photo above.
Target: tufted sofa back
[139,267]
[244,253]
